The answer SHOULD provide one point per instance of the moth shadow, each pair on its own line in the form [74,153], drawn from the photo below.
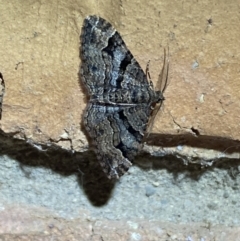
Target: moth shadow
[90,177]
[172,164]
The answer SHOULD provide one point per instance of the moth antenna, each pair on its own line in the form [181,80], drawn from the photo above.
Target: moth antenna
[163,76]
[163,86]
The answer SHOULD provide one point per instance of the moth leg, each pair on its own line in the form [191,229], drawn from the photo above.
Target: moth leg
[148,74]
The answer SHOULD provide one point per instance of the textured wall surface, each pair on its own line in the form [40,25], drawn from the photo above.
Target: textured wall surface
[44,102]
[40,63]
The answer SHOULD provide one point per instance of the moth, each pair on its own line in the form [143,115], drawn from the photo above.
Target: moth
[122,99]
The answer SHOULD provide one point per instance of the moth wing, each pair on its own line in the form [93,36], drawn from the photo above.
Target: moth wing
[106,60]
[117,135]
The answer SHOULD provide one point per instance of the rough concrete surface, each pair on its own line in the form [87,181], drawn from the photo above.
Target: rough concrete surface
[56,195]
[51,186]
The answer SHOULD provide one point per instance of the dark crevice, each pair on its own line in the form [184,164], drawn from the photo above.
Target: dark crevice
[216,143]
[195,131]
[2,92]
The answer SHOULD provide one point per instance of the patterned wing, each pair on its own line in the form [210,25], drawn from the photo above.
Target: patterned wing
[106,61]
[117,133]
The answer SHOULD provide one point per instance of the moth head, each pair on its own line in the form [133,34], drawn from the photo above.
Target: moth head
[159,96]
